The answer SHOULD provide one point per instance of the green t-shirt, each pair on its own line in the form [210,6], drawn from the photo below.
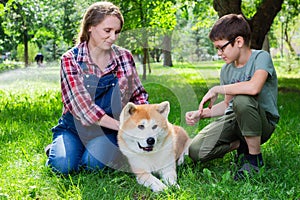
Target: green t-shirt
[267,98]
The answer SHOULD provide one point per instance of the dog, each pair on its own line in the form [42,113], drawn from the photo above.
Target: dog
[151,144]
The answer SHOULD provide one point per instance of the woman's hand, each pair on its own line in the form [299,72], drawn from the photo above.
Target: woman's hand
[108,122]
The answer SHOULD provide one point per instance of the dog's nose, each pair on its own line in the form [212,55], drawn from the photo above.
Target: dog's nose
[150,141]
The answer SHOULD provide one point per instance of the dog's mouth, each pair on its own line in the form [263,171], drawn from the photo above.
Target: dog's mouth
[148,148]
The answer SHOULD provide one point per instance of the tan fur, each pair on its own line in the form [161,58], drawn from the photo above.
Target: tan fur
[152,144]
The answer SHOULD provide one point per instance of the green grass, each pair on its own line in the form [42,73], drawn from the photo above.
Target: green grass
[30,104]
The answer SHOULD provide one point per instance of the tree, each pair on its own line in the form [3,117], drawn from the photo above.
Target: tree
[20,22]
[261,21]
[143,21]
[205,18]
[289,17]
[166,21]
[59,25]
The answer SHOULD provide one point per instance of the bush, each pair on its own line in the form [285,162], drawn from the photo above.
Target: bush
[9,65]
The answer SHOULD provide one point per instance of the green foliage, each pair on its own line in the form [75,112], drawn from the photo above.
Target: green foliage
[53,25]
[205,15]
[32,51]
[19,17]
[9,65]
[164,20]
[30,104]
[249,7]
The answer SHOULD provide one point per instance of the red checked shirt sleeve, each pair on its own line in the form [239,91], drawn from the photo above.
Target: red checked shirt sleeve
[75,97]
[130,85]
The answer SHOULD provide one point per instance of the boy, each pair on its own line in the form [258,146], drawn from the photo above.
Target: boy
[249,111]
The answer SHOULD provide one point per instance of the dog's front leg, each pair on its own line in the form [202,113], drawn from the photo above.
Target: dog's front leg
[169,176]
[148,180]
[181,158]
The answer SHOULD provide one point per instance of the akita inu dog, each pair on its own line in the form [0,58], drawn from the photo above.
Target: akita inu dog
[152,144]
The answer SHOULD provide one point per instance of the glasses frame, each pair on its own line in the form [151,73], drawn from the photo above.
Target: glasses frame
[221,49]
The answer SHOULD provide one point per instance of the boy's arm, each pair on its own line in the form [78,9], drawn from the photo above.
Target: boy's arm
[252,87]
[216,110]
[192,117]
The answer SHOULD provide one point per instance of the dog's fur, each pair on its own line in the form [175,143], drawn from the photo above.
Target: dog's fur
[152,144]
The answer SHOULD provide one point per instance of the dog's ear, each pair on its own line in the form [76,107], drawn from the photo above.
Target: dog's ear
[164,109]
[127,111]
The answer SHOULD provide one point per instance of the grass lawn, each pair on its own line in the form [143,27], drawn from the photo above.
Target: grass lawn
[30,104]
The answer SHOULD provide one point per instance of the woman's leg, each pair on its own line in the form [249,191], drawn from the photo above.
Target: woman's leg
[65,152]
[102,151]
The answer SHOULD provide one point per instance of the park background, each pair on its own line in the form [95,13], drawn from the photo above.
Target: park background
[176,61]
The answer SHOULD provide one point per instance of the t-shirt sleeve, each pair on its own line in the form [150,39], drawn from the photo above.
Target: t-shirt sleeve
[264,61]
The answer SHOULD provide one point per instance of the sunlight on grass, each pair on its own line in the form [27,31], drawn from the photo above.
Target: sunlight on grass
[30,104]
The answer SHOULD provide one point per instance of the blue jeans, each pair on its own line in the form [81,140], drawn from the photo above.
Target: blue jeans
[75,146]
[68,153]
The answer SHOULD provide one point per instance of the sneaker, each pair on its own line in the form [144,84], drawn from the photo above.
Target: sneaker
[242,150]
[251,165]
[239,160]
[247,170]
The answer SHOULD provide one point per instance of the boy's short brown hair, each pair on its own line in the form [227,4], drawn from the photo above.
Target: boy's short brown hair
[229,27]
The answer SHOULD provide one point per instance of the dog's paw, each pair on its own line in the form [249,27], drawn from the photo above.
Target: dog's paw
[176,186]
[180,160]
[158,187]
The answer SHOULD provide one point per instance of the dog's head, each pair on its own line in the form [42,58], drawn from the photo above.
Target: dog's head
[144,128]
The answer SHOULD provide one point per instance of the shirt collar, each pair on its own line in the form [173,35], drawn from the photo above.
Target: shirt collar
[83,56]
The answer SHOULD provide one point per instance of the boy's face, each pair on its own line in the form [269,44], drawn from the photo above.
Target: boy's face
[226,49]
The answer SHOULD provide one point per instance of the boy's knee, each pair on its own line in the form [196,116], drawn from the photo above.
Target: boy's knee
[196,153]
[242,103]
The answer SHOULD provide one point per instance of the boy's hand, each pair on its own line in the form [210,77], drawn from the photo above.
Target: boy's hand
[192,117]
[210,96]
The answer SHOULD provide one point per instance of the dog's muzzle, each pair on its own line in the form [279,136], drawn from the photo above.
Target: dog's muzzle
[150,142]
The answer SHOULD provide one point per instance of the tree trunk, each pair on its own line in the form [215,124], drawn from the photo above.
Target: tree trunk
[224,7]
[25,40]
[266,44]
[148,62]
[167,48]
[262,20]
[260,23]
[288,41]
[145,52]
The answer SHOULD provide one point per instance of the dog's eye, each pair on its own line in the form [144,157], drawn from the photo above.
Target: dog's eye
[154,127]
[141,126]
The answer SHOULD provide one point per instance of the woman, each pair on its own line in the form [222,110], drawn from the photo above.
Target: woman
[97,79]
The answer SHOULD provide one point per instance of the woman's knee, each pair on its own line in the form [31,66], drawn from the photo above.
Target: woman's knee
[100,152]
[65,152]
[62,165]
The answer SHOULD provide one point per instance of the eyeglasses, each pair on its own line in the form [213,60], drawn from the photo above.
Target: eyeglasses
[222,48]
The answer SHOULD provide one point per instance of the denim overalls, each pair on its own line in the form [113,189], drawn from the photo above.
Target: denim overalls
[106,93]
[75,145]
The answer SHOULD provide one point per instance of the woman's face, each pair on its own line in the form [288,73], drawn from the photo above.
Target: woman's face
[105,33]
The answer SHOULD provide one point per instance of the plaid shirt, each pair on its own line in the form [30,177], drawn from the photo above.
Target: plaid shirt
[76,98]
